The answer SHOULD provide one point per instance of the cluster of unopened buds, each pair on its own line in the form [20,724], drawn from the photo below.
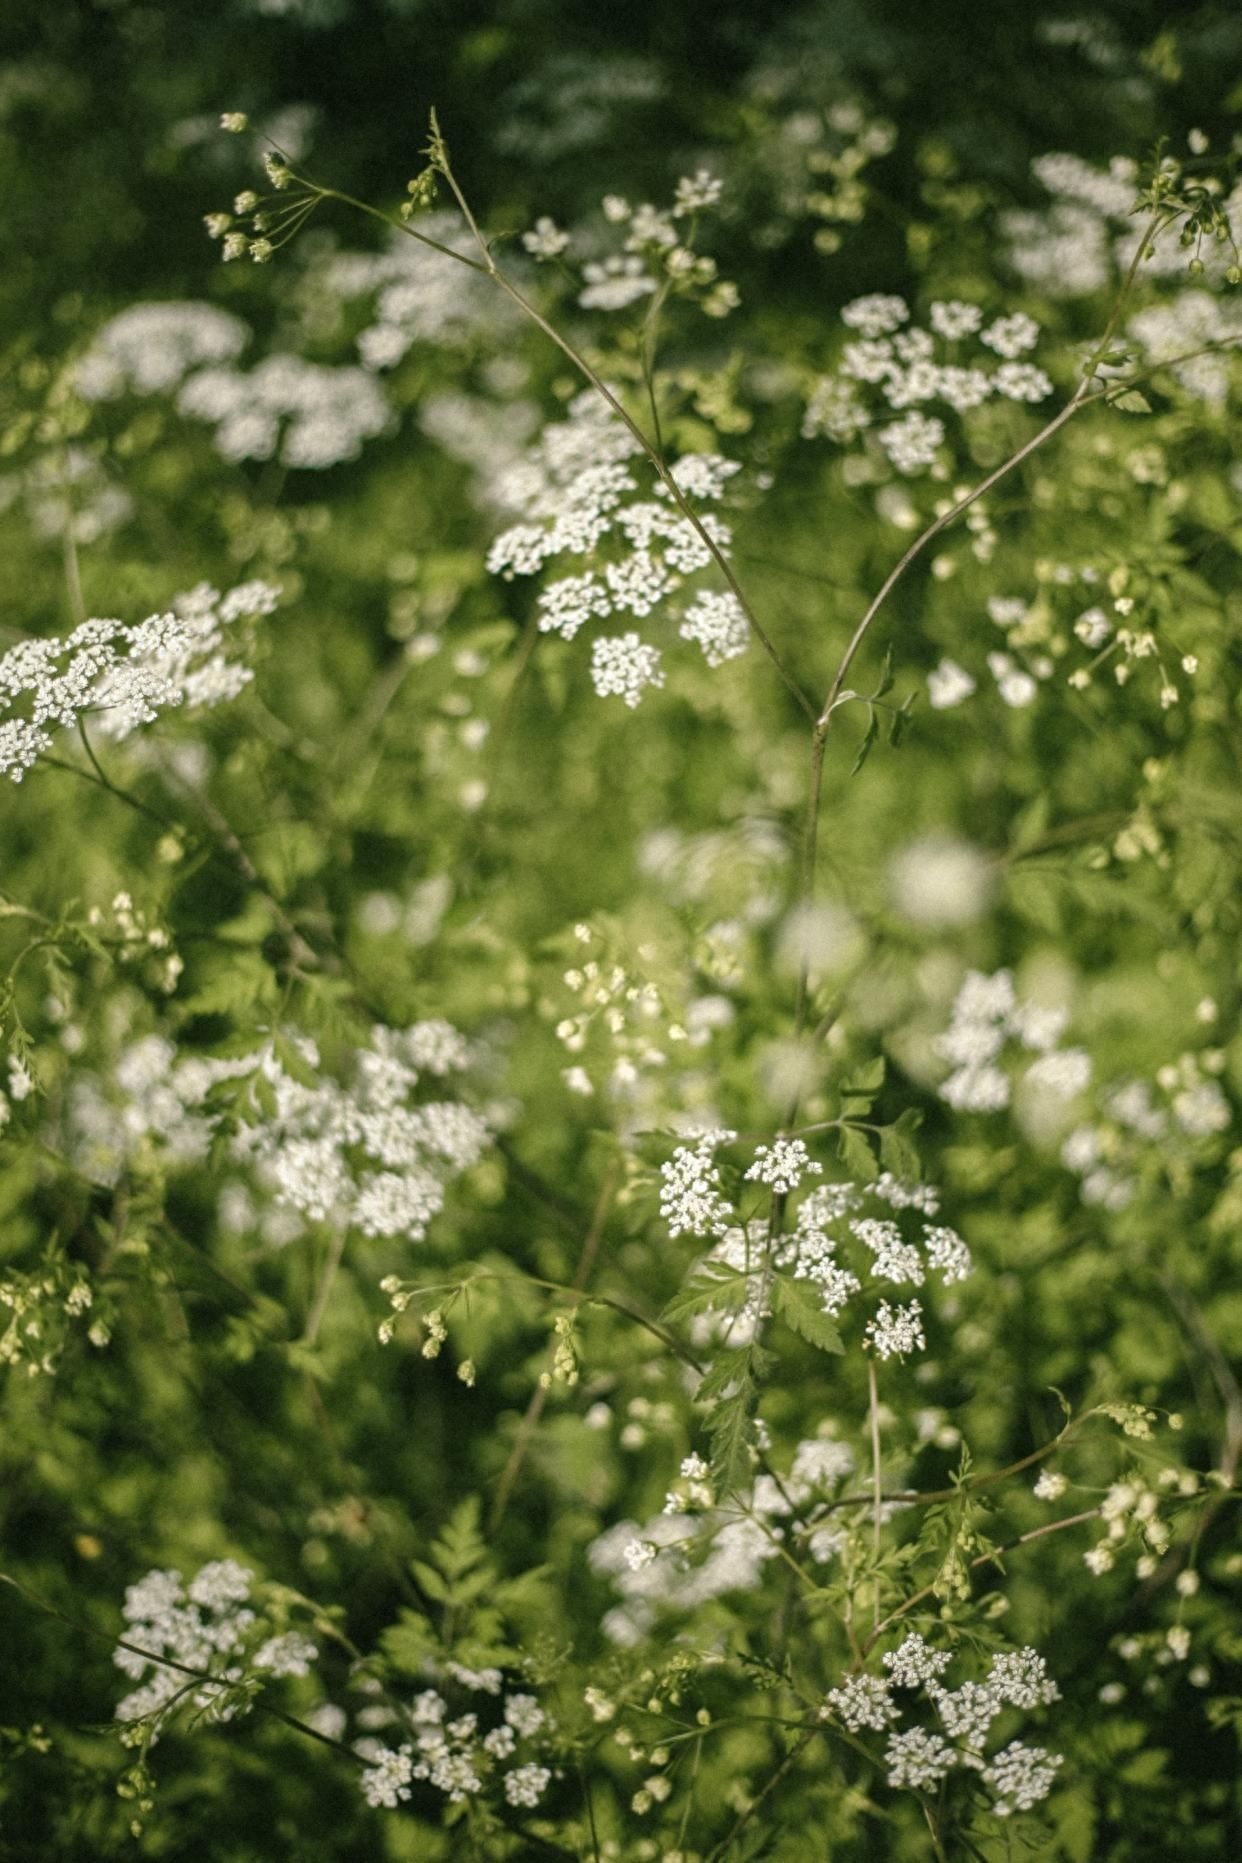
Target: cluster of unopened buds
[259,224]
[564,1354]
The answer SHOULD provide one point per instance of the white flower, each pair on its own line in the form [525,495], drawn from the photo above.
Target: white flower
[892,1259]
[615,283]
[526,1785]
[948,1253]
[1021,381]
[952,319]
[524,1715]
[565,605]
[386,1779]
[150,348]
[967,1712]
[1020,1678]
[694,192]
[913,1664]
[719,626]
[290,1654]
[625,667]
[897,1330]
[703,475]
[638,583]
[917,1760]
[1020,1777]
[782,1165]
[940,881]
[1065,1072]
[690,1198]
[948,685]
[876,315]
[546,240]
[863,1701]
[1050,1486]
[1016,687]
[1011,336]
[911,443]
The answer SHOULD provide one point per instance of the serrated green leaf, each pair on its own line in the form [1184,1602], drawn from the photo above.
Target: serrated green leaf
[868,1078]
[855,1154]
[800,1306]
[430,1581]
[726,1371]
[715,1287]
[732,1431]
[885,682]
[898,1152]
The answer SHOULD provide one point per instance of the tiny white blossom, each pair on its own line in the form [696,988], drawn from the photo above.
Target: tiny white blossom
[864,1701]
[1020,1777]
[1011,336]
[948,685]
[526,1785]
[782,1165]
[876,315]
[623,666]
[913,1664]
[545,240]
[719,626]
[897,1330]
[917,1760]
[951,318]
[694,192]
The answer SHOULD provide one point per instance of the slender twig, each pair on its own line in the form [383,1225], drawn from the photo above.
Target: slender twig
[539,1396]
[319,1305]
[790,1760]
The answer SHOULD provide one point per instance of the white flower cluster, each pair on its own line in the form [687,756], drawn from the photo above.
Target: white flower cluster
[208,1627]
[1087,237]
[1136,1128]
[691,1201]
[360,1155]
[1066,250]
[782,1165]
[1192,322]
[422,297]
[150,348]
[68,493]
[1108,633]
[909,367]
[693,1552]
[574,489]
[827,1219]
[986,1015]
[456,1756]
[918,1758]
[653,252]
[41,1306]
[302,413]
[124,677]
[812,1254]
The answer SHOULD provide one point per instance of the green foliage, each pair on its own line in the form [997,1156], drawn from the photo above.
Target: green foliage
[526,1459]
